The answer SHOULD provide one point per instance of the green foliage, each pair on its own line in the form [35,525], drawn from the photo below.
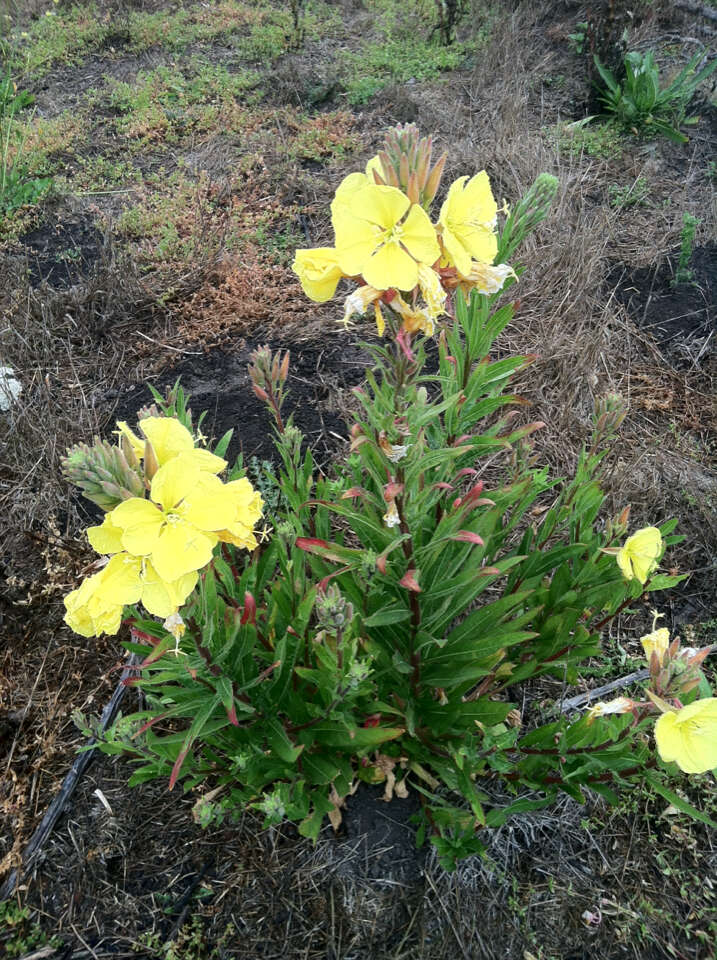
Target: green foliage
[683,274]
[19,185]
[641,104]
[392,620]
[632,195]
[601,140]
[381,63]
[578,39]
[19,933]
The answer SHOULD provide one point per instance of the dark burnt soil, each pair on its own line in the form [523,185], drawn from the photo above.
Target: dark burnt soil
[62,251]
[142,869]
[682,318]
[218,382]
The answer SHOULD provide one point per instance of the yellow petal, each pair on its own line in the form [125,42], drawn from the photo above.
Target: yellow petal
[418,235]
[348,186]
[479,201]
[480,241]
[383,206]
[209,505]
[107,538]
[119,582]
[167,436]
[180,549]
[319,272]
[140,522]
[356,240]
[239,535]
[136,442]
[457,254]
[391,266]
[380,322]
[206,461]
[174,481]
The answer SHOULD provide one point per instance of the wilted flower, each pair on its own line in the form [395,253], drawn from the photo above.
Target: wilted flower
[689,736]
[391,517]
[619,705]
[656,642]
[640,554]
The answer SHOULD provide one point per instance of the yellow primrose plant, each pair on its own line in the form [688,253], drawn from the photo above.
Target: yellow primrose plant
[389,623]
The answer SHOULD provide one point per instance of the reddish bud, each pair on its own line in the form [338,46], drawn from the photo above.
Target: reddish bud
[373,720]
[381,564]
[408,580]
[467,536]
[249,612]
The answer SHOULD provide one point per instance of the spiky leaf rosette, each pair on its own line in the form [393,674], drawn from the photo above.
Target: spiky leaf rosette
[102,473]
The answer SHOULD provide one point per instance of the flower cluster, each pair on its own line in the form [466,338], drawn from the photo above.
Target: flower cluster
[158,545]
[386,242]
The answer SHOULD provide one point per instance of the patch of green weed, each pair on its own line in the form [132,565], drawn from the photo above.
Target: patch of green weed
[632,195]
[601,140]
[20,933]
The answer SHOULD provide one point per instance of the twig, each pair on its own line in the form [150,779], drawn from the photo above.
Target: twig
[59,803]
[575,702]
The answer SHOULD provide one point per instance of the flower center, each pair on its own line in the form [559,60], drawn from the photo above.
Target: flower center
[173,518]
[394,234]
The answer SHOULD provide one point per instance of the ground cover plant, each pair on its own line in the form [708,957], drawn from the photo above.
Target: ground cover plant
[192,151]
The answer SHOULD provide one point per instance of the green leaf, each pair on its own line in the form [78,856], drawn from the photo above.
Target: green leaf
[682,805]
[388,615]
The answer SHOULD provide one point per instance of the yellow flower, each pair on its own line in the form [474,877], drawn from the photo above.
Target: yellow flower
[177,529]
[96,606]
[467,222]
[382,236]
[319,272]
[656,642]
[169,438]
[689,736]
[106,538]
[640,554]
[248,506]
[90,614]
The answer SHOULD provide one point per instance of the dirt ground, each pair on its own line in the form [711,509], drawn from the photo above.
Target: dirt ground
[191,149]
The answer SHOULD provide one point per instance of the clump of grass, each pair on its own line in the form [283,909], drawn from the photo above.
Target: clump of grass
[632,195]
[602,140]
[683,274]
[325,136]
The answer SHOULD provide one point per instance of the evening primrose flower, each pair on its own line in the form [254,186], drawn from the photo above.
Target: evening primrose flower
[318,271]
[656,642]
[640,554]
[169,438]
[90,614]
[177,528]
[689,736]
[382,236]
[467,222]
[248,506]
